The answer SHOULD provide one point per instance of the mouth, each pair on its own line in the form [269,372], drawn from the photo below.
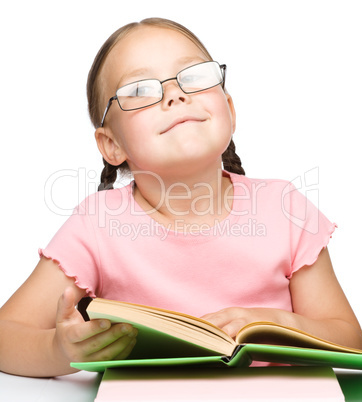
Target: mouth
[181,121]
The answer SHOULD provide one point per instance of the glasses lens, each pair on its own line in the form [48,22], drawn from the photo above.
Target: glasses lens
[139,94]
[200,77]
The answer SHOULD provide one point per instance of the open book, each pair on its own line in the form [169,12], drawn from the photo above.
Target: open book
[167,337]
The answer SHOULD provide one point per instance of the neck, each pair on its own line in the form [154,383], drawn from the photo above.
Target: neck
[199,199]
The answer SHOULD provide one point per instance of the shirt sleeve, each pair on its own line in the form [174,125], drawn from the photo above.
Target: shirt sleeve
[74,248]
[310,230]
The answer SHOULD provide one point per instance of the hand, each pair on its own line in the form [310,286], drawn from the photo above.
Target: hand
[232,319]
[94,340]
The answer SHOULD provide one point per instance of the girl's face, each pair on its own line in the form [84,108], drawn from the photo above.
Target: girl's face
[181,133]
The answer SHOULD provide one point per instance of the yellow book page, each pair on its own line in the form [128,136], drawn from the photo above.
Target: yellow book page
[274,334]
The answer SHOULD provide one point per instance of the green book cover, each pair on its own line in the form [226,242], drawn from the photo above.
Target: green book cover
[243,357]
[167,338]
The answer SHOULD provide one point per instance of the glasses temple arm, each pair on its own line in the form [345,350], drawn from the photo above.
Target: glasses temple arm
[107,108]
[223,67]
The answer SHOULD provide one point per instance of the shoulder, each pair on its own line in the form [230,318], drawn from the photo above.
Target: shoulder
[261,185]
[108,201]
[238,178]
[281,197]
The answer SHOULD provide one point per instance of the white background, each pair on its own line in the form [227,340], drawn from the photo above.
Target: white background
[294,71]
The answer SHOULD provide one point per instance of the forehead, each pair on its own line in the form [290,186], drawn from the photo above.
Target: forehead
[156,51]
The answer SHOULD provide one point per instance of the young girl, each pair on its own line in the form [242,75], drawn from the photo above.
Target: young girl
[186,234]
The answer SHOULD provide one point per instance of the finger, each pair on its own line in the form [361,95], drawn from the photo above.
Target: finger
[120,349]
[85,330]
[114,341]
[220,318]
[209,317]
[66,306]
[94,336]
[232,328]
[127,351]
[206,317]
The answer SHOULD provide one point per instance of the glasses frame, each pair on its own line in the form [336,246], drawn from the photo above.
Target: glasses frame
[115,97]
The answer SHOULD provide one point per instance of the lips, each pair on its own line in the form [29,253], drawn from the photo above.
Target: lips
[182,120]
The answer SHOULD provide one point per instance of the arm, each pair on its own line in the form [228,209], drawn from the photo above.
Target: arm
[41,332]
[319,308]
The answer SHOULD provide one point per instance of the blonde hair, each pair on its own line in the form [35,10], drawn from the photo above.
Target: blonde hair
[95,98]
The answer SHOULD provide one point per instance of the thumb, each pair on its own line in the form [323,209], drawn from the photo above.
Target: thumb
[66,306]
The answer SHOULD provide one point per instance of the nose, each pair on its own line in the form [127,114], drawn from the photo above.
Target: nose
[172,93]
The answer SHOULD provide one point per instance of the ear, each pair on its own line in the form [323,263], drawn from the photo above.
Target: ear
[232,111]
[112,152]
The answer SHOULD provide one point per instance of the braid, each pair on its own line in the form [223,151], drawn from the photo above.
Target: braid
[231,160]
[108,176]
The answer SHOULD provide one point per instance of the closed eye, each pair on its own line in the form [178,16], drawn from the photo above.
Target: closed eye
[142,90]
[191,78]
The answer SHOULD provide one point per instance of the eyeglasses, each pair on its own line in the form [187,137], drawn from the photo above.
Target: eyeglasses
[144,93]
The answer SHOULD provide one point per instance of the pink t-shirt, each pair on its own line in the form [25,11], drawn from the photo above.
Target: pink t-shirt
[115,250]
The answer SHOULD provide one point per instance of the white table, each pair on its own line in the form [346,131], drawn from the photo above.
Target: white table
[83,387]
[79,387]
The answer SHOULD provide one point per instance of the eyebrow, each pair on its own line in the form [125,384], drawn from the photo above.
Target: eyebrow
[189,59]
[133,74]
[144,72]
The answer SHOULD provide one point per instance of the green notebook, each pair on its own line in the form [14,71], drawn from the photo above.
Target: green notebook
[243,357]
[167,338]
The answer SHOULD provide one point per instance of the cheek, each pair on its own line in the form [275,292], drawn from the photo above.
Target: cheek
[222,115]
[133,132]
[223,122]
